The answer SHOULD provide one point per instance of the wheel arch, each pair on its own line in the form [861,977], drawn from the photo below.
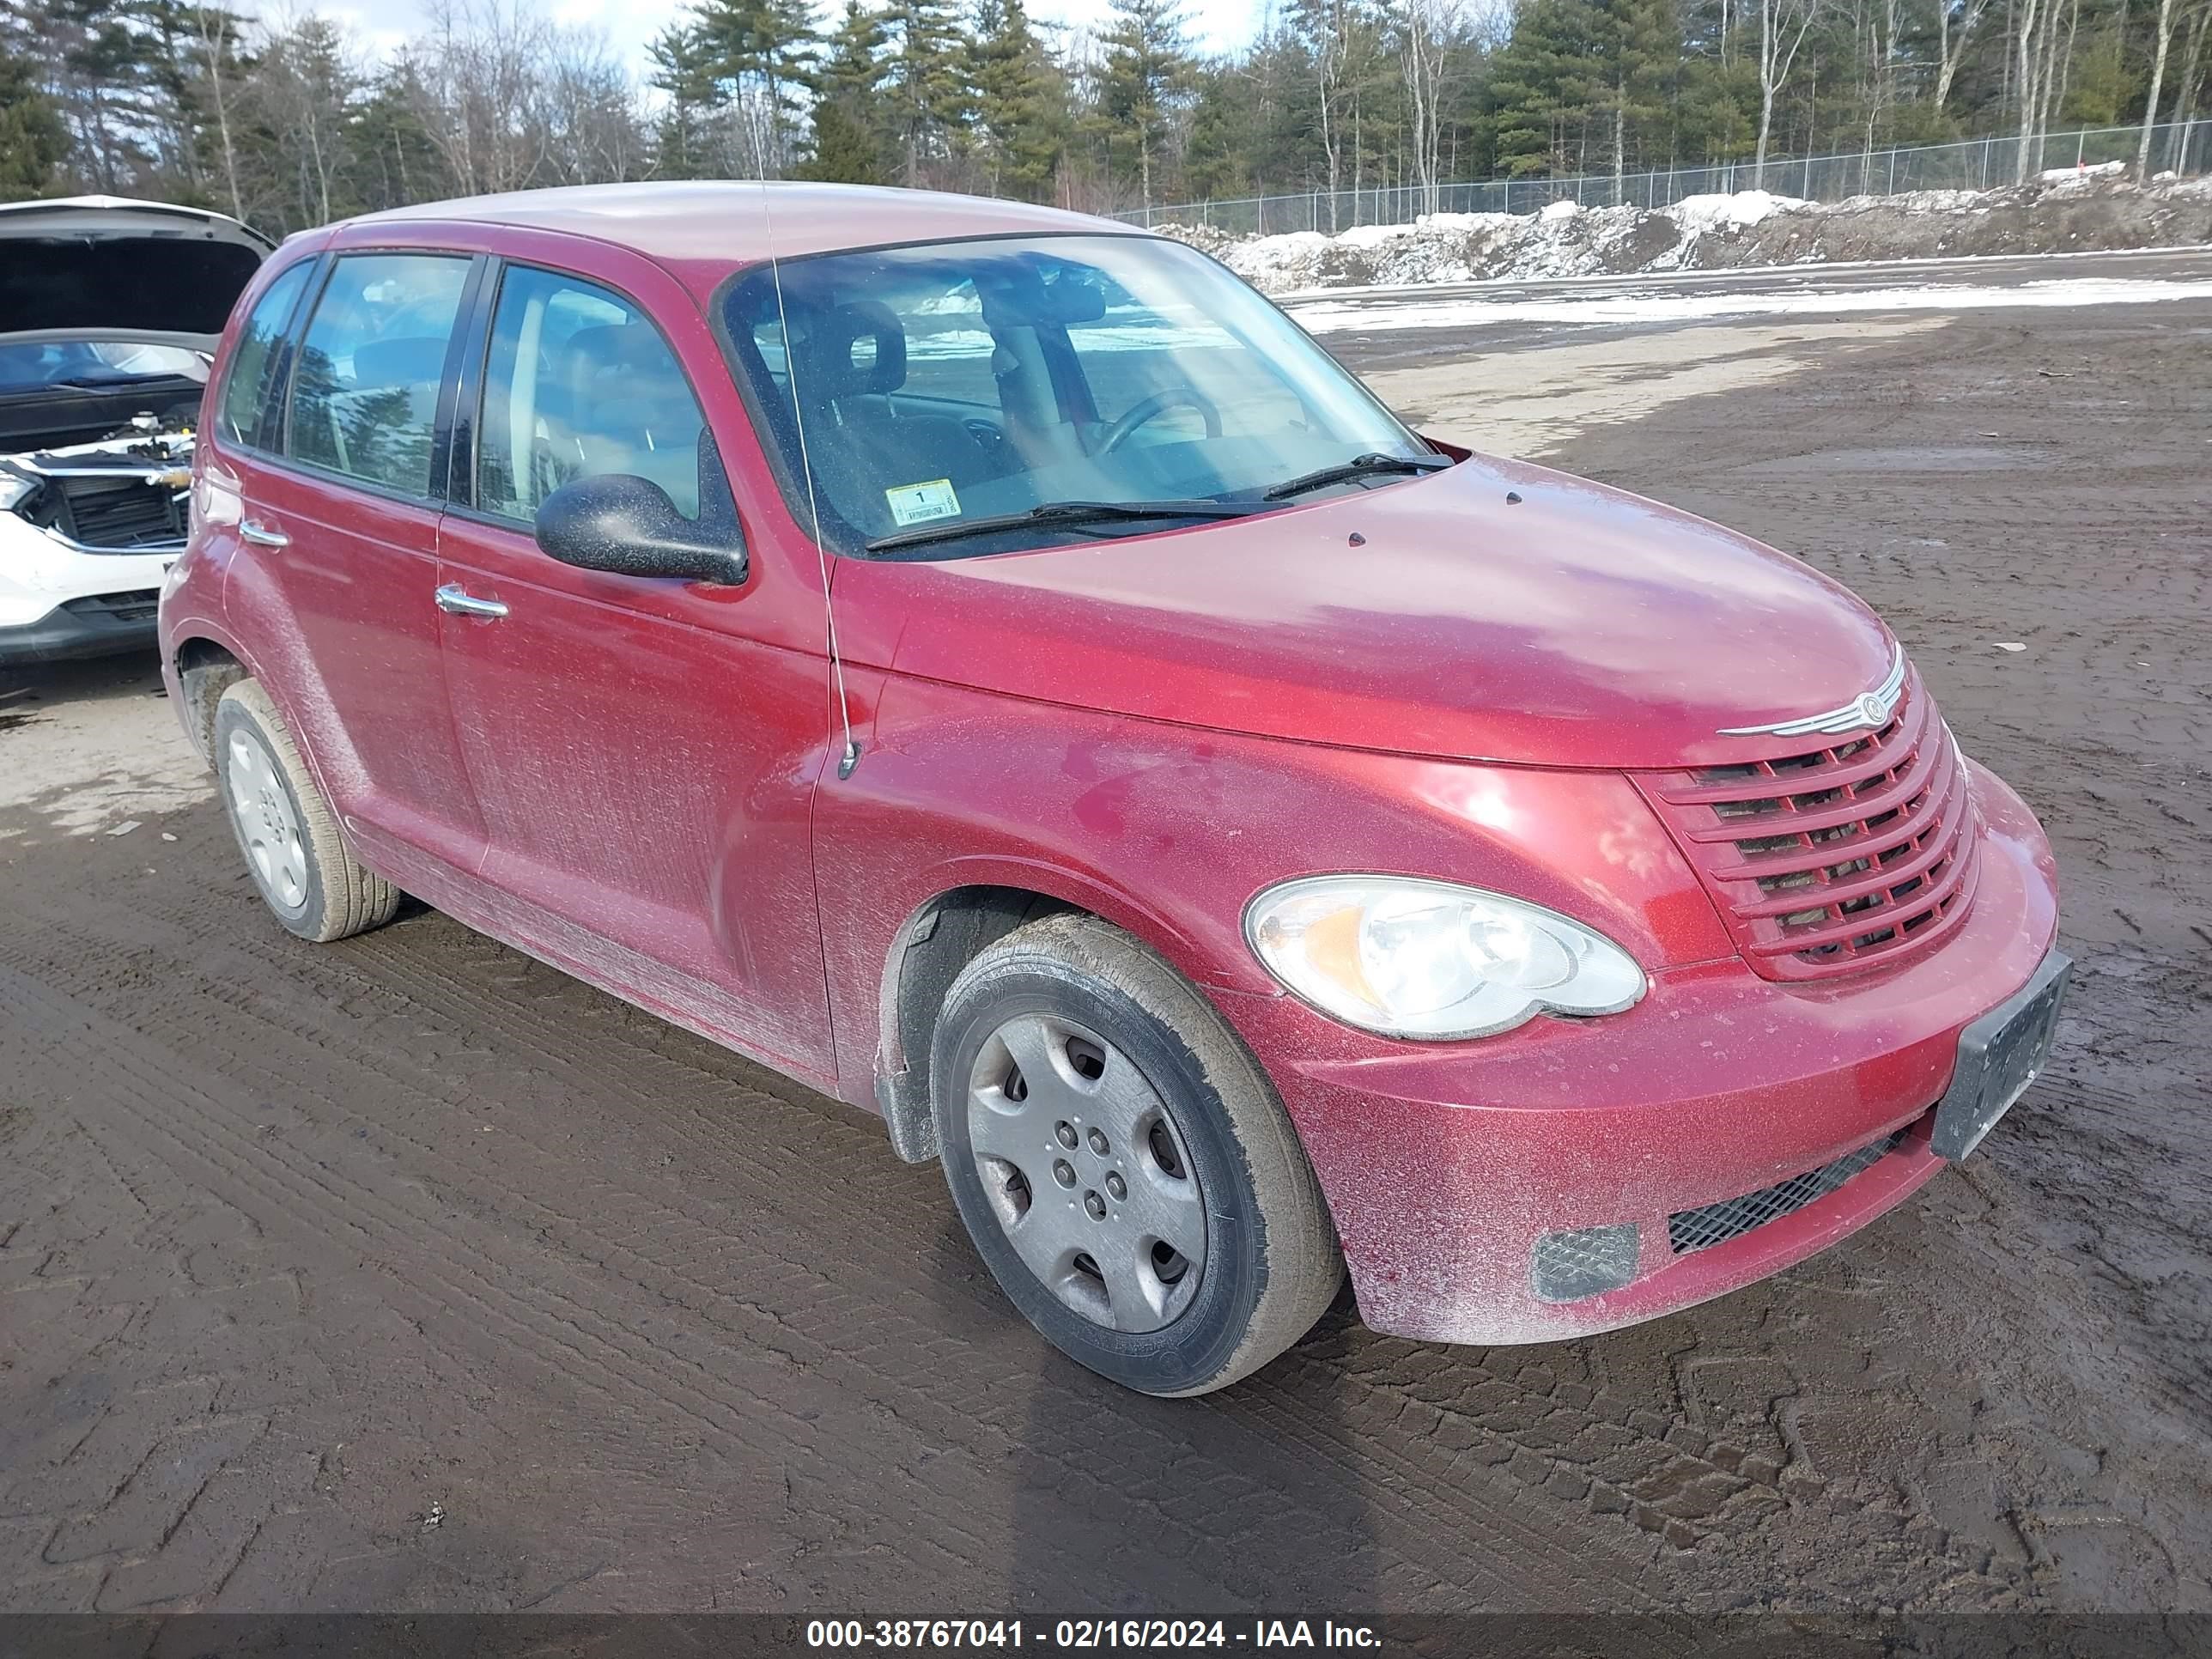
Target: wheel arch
[205,667]
[942,935]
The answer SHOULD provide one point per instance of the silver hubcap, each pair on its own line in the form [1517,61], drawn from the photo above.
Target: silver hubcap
[265,820]
[1087,1173]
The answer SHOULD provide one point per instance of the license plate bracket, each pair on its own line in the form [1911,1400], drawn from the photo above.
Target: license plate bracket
[1999,1056]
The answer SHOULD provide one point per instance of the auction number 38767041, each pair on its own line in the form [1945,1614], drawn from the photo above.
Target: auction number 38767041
[1087,1633]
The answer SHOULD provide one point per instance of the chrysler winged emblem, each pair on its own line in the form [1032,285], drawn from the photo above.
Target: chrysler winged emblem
[1870,709]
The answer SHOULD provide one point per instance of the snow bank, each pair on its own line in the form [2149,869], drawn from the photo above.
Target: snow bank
[2075,210]
[1562,239]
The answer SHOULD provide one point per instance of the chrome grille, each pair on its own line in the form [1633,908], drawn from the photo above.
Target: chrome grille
[1824,861]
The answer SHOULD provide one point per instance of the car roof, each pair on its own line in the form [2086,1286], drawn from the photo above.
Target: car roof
[730,219]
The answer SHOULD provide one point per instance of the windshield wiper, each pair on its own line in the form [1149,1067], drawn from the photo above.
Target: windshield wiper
[1359,466]
[1060,513]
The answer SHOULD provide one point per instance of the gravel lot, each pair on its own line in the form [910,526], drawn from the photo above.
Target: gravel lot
[406,1273]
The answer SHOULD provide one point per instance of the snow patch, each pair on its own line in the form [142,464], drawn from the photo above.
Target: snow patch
[1321,315]
[2068,175]
[1697,214]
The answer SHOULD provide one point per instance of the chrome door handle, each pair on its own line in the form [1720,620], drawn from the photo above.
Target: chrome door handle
[453,598]
[262,535]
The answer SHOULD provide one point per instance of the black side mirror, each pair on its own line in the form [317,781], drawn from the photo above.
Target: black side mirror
[627,524]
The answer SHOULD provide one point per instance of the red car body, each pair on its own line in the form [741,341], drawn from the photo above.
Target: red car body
[1497,675]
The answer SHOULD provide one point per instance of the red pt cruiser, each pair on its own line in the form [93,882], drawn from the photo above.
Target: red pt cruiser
[989,664]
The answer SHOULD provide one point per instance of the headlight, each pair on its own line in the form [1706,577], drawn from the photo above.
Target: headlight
[1413,958]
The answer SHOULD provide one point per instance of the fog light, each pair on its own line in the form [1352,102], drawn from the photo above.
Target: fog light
[1568,1267]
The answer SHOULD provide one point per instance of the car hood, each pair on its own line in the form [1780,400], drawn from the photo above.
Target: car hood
[1494,611]
[104,267]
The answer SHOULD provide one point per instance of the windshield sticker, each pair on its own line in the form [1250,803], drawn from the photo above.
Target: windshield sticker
[921,503]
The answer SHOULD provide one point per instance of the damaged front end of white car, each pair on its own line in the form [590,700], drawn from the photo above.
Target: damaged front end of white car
[112,309]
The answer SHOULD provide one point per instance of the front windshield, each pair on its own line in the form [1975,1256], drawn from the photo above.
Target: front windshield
[945,383]
[27,367]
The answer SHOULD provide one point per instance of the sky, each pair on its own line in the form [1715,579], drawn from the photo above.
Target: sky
[630,25]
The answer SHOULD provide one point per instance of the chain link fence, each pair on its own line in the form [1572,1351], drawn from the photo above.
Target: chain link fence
[2182,147]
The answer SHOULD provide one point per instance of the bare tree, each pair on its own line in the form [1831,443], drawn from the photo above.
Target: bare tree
[480,87]
[1884,19]
[1783,26]
[1330,44]
[1427,32]
[2157,84]
[2030,14]
[213,26]
[1952,34]
[593,135]
[303,89]
[2045,62]
[2191,88]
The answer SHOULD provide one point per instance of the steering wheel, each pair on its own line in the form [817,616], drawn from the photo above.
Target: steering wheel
[1145,409]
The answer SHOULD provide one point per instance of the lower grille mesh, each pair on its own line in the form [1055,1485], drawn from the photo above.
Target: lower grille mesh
[1715,1223]
[141,605]
[123,513]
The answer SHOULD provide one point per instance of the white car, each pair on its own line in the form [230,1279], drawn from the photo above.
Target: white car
[110,309]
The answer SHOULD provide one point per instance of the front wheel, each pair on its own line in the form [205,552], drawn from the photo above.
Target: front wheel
[1122,1164]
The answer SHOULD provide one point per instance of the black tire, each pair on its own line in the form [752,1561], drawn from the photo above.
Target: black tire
[1272,1263]
[338,896]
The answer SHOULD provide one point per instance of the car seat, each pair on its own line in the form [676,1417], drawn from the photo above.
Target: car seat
[852,358]
[633,410]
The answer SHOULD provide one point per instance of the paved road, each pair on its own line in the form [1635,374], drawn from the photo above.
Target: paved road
[1365,324]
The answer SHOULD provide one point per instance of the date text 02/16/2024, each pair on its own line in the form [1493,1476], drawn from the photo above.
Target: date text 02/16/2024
[1080,1634]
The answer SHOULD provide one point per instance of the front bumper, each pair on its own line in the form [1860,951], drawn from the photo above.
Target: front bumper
[1444,1165]
[58,602]
[95,625]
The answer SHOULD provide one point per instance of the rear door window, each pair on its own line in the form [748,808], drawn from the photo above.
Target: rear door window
[579,384]
[365,394]
[247,389]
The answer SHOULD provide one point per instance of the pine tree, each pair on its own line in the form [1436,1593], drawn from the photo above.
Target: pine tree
[394,161]
[1021,106]
[1642,44]
[1544,88]
[33,140]
[684,68]
[925,86]
[852,123]
[846,150]
[1145,82]
[760,54]
[1223,119]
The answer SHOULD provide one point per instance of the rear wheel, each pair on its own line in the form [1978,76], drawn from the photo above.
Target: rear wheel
[1123,1164]
[286,829]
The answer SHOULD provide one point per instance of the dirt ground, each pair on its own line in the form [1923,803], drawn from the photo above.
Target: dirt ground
[407,1274]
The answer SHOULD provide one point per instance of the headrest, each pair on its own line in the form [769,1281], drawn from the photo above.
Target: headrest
[855,348]
[407,361]
[617,345]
